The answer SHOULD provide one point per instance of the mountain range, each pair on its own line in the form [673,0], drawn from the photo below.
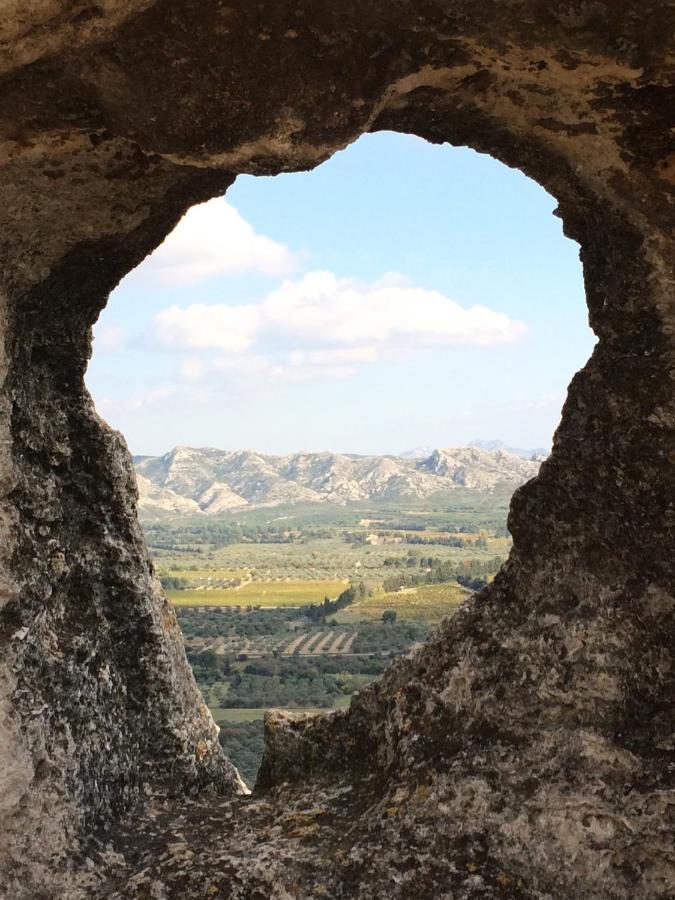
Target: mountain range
[538,452]
[208,481]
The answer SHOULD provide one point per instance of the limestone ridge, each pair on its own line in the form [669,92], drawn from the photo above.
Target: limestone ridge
[209,481]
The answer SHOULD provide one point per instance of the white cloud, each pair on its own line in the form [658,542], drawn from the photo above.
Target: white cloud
[109,338]
[113,406]
[341,321]
[151,397]
[339,357]
[321,308]
[320,372]
[192,369]
[202,327]
[214,239]
[249,366]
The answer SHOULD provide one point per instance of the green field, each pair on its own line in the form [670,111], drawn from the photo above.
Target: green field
[322,559]
[327,542]
[261,593]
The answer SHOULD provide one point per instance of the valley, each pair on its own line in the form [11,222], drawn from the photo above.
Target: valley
[299,604]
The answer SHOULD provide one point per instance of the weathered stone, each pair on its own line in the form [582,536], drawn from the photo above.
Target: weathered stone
[527,749]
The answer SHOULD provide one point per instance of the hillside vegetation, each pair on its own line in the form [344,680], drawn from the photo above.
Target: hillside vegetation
[212,482]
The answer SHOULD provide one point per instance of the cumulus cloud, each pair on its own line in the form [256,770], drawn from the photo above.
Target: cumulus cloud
[326,320]
[323,308]
[207,327]
[214,239]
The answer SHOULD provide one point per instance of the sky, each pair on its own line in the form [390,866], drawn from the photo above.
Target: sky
[399,295]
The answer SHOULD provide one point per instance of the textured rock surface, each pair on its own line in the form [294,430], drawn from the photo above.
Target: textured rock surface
[527,751]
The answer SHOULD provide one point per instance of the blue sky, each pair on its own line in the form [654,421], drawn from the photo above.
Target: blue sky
[401,294]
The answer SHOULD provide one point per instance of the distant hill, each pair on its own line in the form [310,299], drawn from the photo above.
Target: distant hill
[208,481]
[417,453]
[539,453]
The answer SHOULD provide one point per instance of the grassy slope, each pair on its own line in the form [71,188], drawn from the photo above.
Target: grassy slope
[427,603]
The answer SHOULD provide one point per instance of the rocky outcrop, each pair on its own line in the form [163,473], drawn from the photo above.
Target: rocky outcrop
[188,480]
[527,750]
[479,469]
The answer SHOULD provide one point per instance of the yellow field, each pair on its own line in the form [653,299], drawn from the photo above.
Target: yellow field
[425,603]
[261,593]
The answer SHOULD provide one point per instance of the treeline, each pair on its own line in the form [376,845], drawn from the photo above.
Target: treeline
[223,534]
[480,541]
[297,681]
[180,583]
[313,666]
[402,526]
[358,538]
[394,638]
[245,622]
[492,526]
[470,573]
[317,612]
[244,691]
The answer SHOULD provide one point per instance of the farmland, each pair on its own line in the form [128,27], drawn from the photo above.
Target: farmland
[292,593]
[247,660]
[427,603]
[303,614]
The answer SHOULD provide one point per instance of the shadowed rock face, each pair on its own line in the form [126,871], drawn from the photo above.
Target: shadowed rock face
[526,750]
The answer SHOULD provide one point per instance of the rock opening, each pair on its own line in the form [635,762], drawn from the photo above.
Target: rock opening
[526,751]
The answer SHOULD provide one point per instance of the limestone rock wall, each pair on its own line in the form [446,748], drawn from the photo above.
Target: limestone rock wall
[527,750]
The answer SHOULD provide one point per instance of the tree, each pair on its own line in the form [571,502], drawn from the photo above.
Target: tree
[389,616]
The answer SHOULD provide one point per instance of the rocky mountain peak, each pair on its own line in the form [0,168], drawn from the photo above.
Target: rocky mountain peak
[210,481]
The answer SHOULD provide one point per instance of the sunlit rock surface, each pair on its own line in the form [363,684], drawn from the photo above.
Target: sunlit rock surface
[527,750]
[210,481]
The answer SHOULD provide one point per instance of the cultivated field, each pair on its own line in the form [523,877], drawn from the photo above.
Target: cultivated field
[207,575]
[244,611]
[260,593]
[318,559]
[426,603]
